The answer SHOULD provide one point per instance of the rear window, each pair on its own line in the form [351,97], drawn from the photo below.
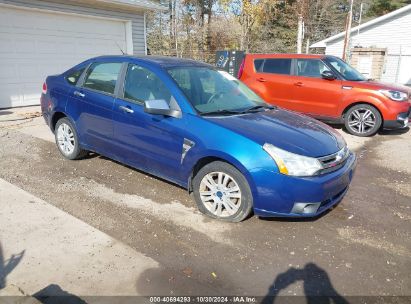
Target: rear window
[74,75]
[277,66]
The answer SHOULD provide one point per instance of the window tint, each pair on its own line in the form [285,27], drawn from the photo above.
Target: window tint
[102,77]
[142,84]
[310,68]
[277,66]
[74,75]
[258,64]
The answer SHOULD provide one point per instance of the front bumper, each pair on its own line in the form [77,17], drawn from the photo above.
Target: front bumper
[401,122]
[279,195]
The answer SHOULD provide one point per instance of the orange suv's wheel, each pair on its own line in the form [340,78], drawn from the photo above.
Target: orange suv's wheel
[362,120]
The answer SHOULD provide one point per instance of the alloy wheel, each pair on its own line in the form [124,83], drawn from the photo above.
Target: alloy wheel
[65,139]
[362,120]
[220,194]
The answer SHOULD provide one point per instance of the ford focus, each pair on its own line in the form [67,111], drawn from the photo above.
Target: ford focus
[202,129]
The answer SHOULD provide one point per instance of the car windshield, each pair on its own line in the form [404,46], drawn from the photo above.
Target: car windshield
[347,71]
[215,92]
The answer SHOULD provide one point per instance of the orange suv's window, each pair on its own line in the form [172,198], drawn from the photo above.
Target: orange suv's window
[273,66]
[310,68]
[258,64]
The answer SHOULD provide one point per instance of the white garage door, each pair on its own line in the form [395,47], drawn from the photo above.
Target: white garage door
[35,43]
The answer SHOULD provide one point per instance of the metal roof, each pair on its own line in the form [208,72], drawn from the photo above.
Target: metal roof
[323,43]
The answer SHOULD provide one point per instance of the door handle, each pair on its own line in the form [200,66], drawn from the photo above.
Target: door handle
[126,109]
[299,84]
[79,94]
[261,79]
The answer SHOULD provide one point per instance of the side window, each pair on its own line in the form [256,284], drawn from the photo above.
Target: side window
[141,85]
[102,77]
[310,68]
[74,75]
[277,66]
[258,63]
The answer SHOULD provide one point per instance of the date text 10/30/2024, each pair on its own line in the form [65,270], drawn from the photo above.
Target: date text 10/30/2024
[202,299]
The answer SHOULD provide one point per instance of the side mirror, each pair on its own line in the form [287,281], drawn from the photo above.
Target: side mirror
[328,75]
[160,107]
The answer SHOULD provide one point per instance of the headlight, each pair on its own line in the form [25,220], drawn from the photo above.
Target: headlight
[395,95]
[293,164]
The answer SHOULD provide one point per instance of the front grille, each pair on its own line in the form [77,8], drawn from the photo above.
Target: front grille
[334,161]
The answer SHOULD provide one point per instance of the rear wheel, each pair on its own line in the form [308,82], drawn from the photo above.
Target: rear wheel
[222,192]
[67,139]
[362,120]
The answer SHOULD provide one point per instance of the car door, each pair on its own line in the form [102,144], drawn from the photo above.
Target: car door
[272,80]
[95,98]
[313,94]
[151,142]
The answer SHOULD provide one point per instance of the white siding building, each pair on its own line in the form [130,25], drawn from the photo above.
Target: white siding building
[391,32]
[46,37]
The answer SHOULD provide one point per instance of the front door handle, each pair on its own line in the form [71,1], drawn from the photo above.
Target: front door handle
[299,84]
[79,94]
[126,109]
[261,79]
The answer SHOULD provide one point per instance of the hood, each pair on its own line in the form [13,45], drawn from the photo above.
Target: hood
[377,85]
[286,130]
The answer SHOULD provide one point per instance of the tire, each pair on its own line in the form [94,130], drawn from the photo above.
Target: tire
[221,199]
[67,141]
[356,124]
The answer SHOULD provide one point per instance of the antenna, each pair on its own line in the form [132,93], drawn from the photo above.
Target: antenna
[122,52]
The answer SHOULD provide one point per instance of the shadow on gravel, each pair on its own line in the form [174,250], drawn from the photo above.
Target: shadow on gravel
[2,112]
[140,171]
[53,294]
[394,132]
[383,132]
[318,288]
[299,219]
[7,266]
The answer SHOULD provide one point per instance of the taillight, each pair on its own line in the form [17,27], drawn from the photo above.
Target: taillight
[44,91]
[241,69]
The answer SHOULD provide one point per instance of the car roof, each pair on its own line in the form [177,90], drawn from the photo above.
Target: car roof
[286,55]
[162,61]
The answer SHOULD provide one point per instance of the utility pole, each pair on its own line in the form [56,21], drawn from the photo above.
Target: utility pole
[300,34]
[346,49]
[359,23]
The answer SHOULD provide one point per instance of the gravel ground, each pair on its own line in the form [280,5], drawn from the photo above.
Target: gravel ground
[360,248]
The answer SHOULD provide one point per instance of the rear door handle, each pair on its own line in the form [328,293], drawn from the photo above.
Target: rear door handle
[126,109]
[261,79]
[79,94]
[299,84]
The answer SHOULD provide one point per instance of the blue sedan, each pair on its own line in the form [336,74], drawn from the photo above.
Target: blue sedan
[202,129]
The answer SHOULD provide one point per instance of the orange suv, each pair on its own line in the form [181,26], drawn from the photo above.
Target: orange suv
[328,89]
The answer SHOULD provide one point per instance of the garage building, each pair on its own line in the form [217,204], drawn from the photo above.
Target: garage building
[40,38]
[380,48]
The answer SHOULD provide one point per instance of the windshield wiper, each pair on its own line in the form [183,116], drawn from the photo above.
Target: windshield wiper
[257,108]
[221,112]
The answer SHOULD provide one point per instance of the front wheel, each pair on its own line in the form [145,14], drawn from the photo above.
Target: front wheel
[222,192]
[362,120]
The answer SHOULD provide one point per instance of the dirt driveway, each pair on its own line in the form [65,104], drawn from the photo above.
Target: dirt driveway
[360,248]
